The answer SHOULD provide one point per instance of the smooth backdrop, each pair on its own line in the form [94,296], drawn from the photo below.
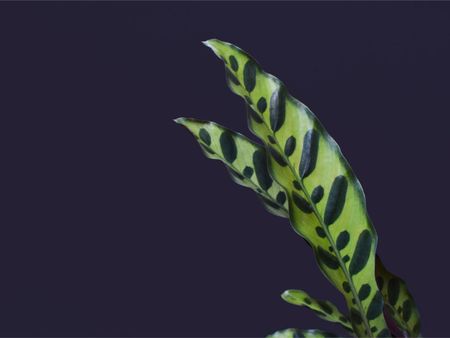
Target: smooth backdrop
[114,224]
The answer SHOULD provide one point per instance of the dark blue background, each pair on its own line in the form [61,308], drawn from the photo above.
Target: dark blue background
[113,223]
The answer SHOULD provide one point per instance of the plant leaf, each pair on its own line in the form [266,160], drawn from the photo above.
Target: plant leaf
[278,208]
[244,159]
[297,333]
[324,309]
[326,202]
[398,300]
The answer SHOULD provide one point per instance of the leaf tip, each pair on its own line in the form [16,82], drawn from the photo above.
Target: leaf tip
[214,45]
[209,43]
[206,42]
[285,294]
[179,120]
[289,297]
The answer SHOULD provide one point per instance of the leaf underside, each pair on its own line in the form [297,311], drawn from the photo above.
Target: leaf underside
[326,203]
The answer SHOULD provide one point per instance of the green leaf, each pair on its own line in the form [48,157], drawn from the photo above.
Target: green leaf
[324,309]
[325,199]
[297,333]
[398,300]
[398,292]
[246,161]
[275,202]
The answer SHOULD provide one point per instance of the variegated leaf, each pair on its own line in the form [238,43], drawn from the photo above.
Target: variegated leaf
[246,161]
[398,300]
[297,333]
[324,309]
[326,202]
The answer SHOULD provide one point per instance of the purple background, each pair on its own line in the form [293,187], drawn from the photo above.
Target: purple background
[115,224]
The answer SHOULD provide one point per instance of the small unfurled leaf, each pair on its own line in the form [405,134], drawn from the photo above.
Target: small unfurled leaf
[398,301]
[245,160]
[297,333]
[324,309]
[325,200]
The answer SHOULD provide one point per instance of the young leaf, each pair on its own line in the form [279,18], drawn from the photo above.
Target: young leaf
[297,333]
[245,160]
[398,300]
[326,202]
[324,309]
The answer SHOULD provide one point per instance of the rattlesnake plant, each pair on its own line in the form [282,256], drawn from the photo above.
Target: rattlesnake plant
[299,172]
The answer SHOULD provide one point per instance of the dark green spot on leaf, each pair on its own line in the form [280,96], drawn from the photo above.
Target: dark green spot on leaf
[231,78]
[248,172]
[320,232]
[327,259]
[297,185]
[277,157]
[309,153]
[376,306]
[355,316]
[393,291]
[342,240]
[204,136]
[317,194]
[233,63]
[250,75]
[362,252]
[364,291]
[228,146]
[336,200]
[277,109]
[271,139]
[270,203]
[281,197]
[346,287]
[289,146]
[262,174]
[343,319]
[407,310]
[325,307]
[301,203]
[254,115]
[261,105]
